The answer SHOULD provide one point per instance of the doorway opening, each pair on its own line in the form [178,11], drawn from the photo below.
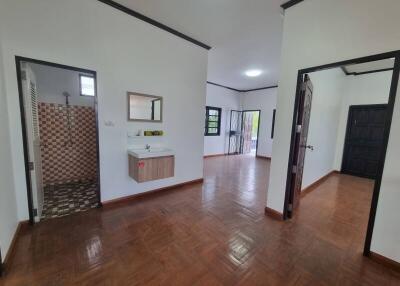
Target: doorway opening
[244,132]
[361,131]
[60,137]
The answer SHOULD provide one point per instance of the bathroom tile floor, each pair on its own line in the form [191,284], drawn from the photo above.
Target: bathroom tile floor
[64,199]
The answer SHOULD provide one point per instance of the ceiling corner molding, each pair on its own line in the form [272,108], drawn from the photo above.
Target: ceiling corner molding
[223,86]
[153,22]
[346,72]
[290,4]
[242,90]
[261,88]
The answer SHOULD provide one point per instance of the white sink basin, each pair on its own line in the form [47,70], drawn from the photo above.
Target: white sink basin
[151,153]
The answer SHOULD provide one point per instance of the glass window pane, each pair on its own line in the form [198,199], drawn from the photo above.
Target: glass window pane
[213,117]
[87,85]
[213,112]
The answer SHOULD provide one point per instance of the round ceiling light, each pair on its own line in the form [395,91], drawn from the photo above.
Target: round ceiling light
[253,73]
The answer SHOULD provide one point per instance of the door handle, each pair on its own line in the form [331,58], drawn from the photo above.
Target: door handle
[308,147]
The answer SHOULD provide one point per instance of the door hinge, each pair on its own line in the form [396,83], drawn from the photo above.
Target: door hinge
[31,166]
[290,207]
[298,129]
[294,169]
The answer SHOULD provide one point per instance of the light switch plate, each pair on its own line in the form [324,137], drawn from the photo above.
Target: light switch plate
[109,123]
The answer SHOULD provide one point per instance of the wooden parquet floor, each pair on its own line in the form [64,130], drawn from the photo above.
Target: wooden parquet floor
[213,233]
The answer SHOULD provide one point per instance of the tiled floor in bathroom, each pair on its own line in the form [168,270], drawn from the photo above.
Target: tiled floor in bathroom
[68,198]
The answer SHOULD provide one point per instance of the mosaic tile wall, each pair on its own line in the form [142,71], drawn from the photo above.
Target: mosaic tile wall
[67,158]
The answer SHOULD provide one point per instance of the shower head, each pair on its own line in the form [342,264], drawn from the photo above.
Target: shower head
[66,94]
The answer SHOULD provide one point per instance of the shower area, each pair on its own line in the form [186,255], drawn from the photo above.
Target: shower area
[62,138]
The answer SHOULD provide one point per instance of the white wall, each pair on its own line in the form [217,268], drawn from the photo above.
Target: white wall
[265,100]
[323,126]
[8,207]
[227,100]
[364,89]
[52,82]
[321,32]
[128,55]
[333,94]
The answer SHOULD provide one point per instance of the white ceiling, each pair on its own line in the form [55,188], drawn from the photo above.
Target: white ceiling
[243,34]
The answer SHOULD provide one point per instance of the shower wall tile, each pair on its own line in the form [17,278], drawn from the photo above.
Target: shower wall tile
[68,154]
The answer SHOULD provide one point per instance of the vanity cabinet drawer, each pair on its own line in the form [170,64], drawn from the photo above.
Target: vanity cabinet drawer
[149,169]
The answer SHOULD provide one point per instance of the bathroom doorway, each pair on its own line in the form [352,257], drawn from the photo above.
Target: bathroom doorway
[60,136]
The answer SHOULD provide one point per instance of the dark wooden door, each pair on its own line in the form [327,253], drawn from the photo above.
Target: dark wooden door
[303,120]
[364,140]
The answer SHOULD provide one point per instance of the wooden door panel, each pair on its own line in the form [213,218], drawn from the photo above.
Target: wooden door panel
[371,168]
[360,133]
[361,117]
[378,116]
[303,121]
[376,133]
[355,165]
[364,140]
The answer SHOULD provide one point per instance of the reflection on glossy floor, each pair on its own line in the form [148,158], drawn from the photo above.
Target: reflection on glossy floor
[211,234]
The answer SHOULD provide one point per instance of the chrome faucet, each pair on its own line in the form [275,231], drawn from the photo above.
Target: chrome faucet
[147,147]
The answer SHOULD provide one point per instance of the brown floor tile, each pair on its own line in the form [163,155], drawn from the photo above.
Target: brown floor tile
[215,233]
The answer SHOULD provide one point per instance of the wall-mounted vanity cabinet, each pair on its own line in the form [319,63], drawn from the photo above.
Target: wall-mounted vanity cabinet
[151,165]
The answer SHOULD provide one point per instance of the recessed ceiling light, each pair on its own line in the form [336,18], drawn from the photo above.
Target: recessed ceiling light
[253,73]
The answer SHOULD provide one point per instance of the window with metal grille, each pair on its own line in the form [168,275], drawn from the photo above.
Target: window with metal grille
[213,121]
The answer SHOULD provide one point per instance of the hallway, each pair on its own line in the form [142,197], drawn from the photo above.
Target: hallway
[213,233]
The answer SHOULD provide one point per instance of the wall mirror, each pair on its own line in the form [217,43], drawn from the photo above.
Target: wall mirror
[143,107]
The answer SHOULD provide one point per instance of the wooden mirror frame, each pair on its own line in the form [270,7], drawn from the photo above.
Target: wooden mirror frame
[129,93]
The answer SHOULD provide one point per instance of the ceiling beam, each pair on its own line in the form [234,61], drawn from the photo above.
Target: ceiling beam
[290,3]
[346,72]
[224,86]
[261,88]
[153,22]
[241,90]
